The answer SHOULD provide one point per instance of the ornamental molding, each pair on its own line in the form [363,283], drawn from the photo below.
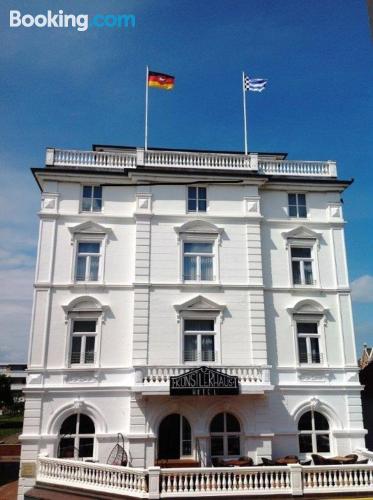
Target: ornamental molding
[199,227]
[199,304]
[302,233]
[90,227]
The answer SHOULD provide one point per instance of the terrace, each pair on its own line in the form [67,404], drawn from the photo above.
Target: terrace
[123,159]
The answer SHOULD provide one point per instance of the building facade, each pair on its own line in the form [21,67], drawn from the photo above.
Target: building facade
[198,303]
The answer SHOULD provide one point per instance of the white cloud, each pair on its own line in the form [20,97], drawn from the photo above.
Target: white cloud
[362,289]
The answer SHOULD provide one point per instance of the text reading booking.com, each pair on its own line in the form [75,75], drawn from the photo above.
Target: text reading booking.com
[80,22]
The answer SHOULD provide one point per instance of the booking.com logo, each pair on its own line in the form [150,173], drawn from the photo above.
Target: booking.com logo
[81,22]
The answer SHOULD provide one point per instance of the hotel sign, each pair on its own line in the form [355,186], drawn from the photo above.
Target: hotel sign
[203,381]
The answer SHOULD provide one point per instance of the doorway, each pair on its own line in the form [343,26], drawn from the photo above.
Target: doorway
[174,437]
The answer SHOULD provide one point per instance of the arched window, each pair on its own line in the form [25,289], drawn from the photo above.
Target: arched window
[76,437]
[174,437]
[225,432]
[313,429]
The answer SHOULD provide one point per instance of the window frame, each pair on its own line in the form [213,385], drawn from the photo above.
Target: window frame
[313,432]
[91,211]
[319,319]
[301,260]
[199,334]
[225,435]
[297,205]
[198,255]
[83,316]
[83,336]
[197,211]
[101,239]
[77,436]
[308,337]
[313,246]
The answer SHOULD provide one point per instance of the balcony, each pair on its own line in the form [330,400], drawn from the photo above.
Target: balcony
[234,162]
[155,380]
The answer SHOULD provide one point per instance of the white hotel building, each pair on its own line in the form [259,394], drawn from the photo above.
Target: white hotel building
[154,264]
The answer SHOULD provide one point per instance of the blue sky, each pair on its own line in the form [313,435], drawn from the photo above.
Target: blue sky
[69,89]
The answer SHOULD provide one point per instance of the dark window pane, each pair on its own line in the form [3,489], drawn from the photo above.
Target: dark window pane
[202,193]
[66,448]
[86,425]
[208,349]
[93,271]
[69,425]
[84,326]
[305,443]
[80,268]
[87,191]
[217,423]
[301,199]
[192,192]
[76,349]
[85,447]
[86,204]
[292,211]
[199,325]
[302,211]
[308,273]
[202,205]
[302,350]
[321,423]
[97,205]
[305,422]
[198,247]
[297,279]
[233,424]
[301,252]
[97,192]
[192,205]
[315,352]
[186,429]
[190,348]
[322,441]
[86,247]
[234,445]
[217,446]
[89,350]
[292,199]
[190,267]
[306,327]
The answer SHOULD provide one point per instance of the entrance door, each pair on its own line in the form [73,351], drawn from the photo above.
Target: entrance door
[169,437]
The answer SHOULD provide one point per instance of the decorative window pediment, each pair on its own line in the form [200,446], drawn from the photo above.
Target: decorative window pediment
[90,227]
[85,305]
[308,307]
[199,304]
[199,227]
[301,233]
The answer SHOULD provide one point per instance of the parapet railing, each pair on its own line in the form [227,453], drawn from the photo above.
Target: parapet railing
[133,158]
[156,482]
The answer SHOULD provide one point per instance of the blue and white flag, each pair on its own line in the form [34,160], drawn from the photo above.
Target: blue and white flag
[255,84]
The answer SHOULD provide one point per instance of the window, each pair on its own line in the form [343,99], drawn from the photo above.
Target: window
[301,265]
[197,199]
[225,436]
[198,261]
[76,437]
[88,261]
[92,199]
[308,343]
[313,429]
[83,342]
[174,437]
[297,205]
[199,340]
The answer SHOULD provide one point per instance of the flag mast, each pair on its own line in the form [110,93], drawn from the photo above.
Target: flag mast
[244,111]
[146,107]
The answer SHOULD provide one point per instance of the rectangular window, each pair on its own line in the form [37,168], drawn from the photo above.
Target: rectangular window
[83,342]
[87,262]
[297,205]
[308,343]
[198,261]
[301,265]
[197,201]
[199,340]
[92,199]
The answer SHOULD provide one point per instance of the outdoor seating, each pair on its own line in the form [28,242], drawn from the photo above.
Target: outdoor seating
[288,459]
[238,462]
[348,459]
[267,462]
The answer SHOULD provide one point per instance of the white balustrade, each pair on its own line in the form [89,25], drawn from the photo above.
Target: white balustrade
[225,480]
[94,159]
[292,167]
[341,478]
[160,375]
[96,477]
[189,159]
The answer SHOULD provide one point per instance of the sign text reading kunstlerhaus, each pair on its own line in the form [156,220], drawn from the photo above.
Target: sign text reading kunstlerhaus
[203,381]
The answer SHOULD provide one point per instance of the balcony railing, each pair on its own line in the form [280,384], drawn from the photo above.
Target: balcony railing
[133,158]
[156,482]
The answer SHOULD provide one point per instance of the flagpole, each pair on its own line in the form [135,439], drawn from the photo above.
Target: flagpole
[146,107]
[244,110]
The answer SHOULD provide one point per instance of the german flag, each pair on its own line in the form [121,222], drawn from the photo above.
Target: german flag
[160,80]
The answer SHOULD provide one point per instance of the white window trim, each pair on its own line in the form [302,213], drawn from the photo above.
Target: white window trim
[313,246]
[82,316]
[89,238]
[199,335]
[203,238]
[304,318]
[296,217]
[214,315]
[197,212]
[91,212]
